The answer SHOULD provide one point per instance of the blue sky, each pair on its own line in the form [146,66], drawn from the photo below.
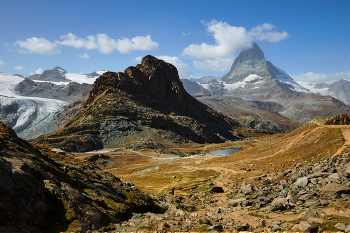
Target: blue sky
[309,40]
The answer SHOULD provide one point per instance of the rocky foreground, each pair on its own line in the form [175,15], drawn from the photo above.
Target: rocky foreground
[307,198]
[44,191]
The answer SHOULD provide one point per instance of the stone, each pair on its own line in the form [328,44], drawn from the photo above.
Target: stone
[243,227]
[340,226]
[347,229]
[216,189]
[283,201]
[303,226]
[302,182]
[246,189]
[312,229]
[277,206]
[334,190]
[236,202]
[216,227]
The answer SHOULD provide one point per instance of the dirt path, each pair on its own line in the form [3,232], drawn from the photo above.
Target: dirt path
[345,129]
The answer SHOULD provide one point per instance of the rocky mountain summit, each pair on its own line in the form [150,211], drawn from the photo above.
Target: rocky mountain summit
[146,101]
[45,191]
[251,72]
[56,74]
[252,78]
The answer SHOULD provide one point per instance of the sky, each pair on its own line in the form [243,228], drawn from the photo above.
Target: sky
[310,40]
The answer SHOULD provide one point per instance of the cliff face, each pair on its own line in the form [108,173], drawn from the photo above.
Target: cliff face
[44,191]
[146,101]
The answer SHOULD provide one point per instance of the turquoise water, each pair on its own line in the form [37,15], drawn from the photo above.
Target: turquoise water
[224,152]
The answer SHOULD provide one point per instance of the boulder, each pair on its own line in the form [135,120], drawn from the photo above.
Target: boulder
[216,189]
[301,182]
[334,190]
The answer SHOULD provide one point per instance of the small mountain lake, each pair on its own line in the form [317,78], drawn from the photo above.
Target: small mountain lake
[224,152]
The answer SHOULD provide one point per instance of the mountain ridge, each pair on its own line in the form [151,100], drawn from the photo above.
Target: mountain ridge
[146,101]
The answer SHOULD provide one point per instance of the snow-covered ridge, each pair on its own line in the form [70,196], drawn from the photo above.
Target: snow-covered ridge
[30,110]
[81,78]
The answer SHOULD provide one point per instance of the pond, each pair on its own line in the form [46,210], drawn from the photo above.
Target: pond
[224,152]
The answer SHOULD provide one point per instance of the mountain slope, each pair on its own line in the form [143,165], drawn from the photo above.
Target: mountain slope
[43,191]
[146,101]
[339,89]
[252,73]
[32,105]
[253,114]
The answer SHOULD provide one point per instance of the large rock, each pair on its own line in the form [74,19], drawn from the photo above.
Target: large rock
[334,190]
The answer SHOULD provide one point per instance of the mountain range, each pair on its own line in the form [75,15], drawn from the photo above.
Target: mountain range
[31,105]
[146,102]
[252,78]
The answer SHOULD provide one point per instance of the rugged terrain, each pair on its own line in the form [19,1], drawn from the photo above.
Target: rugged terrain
[261,115]
[45,191]
[291,182]
[253,78]
[32,105]
[146,102]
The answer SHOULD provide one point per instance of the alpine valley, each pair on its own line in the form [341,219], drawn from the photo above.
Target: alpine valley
[134,151]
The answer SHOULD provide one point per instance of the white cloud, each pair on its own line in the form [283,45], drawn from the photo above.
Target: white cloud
[78,43]
[230,40]
[18,67]
[137,59]
[264,32]
[105,44]
[102,42]
[39,71]
[37,45]
[2,64]
[137,43]
[215,64]
[185,34]
[85,56]
[182,68]
[321,78]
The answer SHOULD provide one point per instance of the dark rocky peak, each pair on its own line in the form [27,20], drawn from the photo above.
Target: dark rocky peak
[146,101]
[154,81]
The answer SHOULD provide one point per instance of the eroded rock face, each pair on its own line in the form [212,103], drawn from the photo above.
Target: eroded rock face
[341,119]
[44,191]
[146,101]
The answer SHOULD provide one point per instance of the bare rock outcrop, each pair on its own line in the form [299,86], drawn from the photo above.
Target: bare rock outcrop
[41,190]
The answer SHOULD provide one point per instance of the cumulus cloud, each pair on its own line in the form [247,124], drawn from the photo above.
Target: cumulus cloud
[78,43]
[105,44]
[216,64]
[229,40]
[265,32]
[182,68]
[85,56]
[39,71]
[18,67]
[321,78]
[137,59]
[2,64]
[37,45]
[102,42]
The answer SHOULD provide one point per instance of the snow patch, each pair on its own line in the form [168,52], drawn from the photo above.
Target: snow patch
[80,78]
